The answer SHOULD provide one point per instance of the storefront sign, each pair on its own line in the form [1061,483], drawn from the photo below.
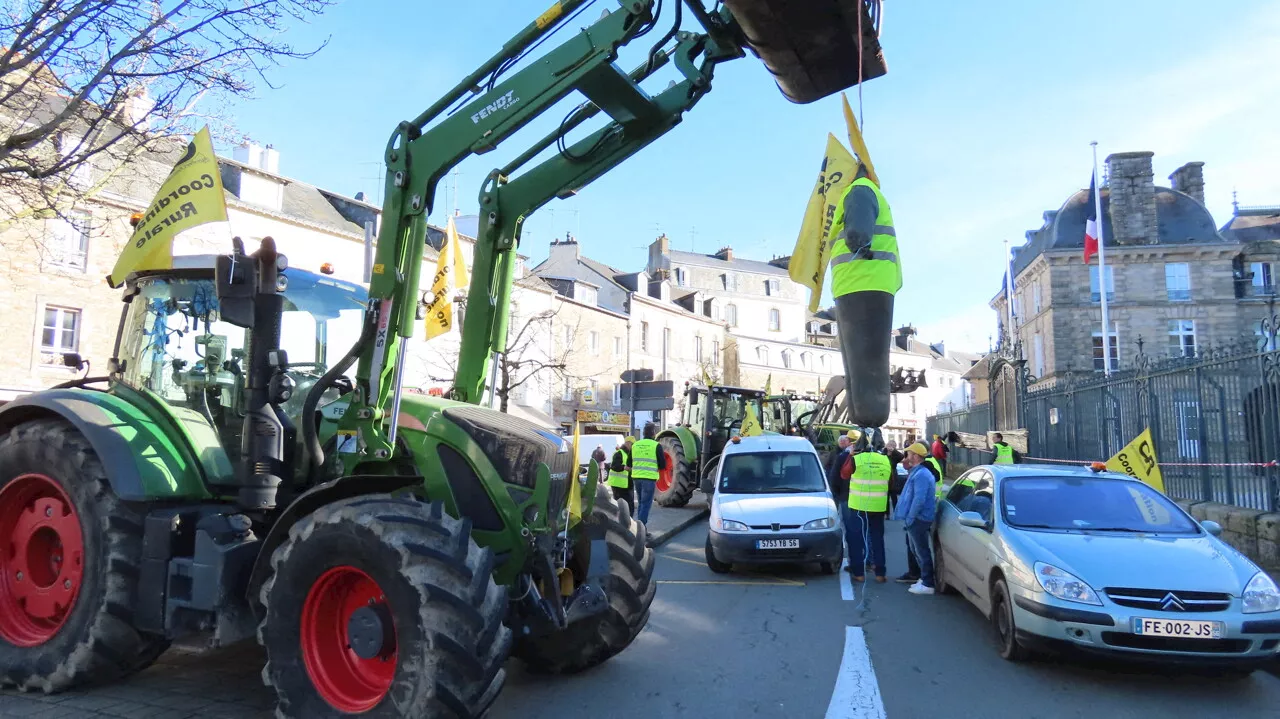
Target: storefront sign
[597,417]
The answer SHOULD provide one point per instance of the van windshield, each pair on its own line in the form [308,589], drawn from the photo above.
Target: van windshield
[771,473]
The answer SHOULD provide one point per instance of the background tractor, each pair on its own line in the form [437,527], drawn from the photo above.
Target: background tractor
[712,415]
[249,465]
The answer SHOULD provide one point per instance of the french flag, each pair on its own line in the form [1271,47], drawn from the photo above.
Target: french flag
[1091,223]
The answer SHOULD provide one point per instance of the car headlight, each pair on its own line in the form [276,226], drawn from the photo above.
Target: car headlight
[1261,595]
[1065,585]
[728,525]
[824,523]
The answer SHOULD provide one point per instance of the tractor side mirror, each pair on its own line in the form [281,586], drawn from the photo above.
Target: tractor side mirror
[73,360]
[235,281]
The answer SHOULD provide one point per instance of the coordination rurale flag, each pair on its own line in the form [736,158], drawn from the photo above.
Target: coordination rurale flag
[451,273]
[189,197]
[808,265]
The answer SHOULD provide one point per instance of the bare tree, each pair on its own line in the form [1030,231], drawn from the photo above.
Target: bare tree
[524,361]
[86,86]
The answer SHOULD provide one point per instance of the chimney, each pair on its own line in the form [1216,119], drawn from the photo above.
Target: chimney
[248,154]
[1189,179]
[136,108]
[1132,196]
[902,337]
[725,253]
[271,160]
[940,348]
[658,251]
[564,251]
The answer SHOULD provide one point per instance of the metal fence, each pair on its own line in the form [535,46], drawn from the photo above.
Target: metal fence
[1215,420]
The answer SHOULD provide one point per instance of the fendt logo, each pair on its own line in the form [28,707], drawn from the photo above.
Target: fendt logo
[505,102]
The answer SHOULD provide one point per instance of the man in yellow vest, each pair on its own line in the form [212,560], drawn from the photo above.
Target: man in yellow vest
[868,474]
[1002,453]
[620,477]
[866,273]
[646,461]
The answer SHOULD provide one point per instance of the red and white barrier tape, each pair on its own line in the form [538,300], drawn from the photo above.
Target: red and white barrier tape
[1272,463]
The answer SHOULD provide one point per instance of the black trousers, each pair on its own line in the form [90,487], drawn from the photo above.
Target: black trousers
[628,495]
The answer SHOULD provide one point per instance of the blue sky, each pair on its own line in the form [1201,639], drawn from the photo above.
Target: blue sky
[982,123]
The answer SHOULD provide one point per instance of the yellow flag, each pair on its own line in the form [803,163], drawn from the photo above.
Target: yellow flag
[808,264]
[751,423]
[574,498]
[856,142]
[451,273]
[189,197]
[706,378]
[768,382]
[1138,459]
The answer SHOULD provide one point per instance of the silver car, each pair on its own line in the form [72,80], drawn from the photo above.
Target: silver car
[1085,560]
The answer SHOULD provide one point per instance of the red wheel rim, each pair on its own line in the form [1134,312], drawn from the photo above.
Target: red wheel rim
[41,559]
[347,681]
[664,475]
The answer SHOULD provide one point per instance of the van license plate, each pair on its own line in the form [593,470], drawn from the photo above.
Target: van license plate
[1176,628]
[777,544]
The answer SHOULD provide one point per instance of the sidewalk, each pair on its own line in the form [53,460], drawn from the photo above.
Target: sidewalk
[667,522]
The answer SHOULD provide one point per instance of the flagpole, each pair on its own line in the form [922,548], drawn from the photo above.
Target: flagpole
[1008,286]
[1102,266]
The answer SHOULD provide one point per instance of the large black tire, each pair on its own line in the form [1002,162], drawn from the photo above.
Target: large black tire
[684,476]
[630,588]
[97,641]
[437,588]
[714,564]
[940,584]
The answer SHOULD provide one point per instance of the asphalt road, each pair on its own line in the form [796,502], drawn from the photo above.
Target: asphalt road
[789,642]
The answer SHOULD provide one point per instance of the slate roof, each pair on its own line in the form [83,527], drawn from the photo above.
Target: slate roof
[1253,224]
[739,265]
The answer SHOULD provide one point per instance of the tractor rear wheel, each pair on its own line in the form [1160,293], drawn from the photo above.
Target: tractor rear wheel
[675,486]
[383,607]
[69,553]
[629,586]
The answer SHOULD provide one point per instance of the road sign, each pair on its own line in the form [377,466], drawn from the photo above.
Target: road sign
[637,375]
[653,404]
[648,390]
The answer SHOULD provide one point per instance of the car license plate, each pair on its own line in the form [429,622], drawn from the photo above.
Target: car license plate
[1177,628]
[777,544]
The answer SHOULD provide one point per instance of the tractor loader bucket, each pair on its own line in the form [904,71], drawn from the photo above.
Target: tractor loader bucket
[811,46]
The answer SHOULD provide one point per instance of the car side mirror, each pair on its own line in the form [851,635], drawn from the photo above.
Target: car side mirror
[972,519]
[1212,527]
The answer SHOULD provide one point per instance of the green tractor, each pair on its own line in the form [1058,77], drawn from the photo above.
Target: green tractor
[712,416]
[249,466]
[782,410]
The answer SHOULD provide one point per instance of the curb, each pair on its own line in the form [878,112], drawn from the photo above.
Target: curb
[660,538]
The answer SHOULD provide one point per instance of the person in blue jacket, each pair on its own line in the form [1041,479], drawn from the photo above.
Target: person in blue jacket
[916,507]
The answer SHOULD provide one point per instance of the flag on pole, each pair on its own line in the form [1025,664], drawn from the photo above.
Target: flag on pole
[751,423]
[451,273]
[574,501]
[808,264]
[856,142]
[1091,222]
[768,382]
[189,197]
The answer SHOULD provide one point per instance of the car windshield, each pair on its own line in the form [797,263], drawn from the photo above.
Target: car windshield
[771,473]
[1090,504]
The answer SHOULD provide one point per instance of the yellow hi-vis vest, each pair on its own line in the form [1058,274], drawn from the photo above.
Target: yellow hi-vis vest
[869,483]
[1004,454]
[882,270]
[644,459]
[933,462]
[620,479]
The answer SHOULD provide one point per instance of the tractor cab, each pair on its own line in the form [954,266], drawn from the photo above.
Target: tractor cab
[717,412]
[781,412]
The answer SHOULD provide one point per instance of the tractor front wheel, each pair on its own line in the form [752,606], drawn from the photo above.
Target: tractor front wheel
[676,483]
[69,553]
[629,587]
[383,607]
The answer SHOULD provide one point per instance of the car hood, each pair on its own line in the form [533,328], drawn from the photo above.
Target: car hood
[780,508]
[1192,563]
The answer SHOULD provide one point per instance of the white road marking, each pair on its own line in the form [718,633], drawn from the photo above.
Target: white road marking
[857,693]
[846,582]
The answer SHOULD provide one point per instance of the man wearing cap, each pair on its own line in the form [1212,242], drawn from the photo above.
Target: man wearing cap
[620,476]
[868,475]
[916,508]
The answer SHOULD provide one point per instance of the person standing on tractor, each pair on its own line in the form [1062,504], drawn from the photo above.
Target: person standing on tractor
[620,475]
[868,475]
[647,460]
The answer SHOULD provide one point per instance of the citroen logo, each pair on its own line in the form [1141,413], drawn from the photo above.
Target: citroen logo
[1171,603]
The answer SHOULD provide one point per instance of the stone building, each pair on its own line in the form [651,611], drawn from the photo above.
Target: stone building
[1173,279]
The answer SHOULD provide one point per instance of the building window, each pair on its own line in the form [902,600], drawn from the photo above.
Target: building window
[617,395]
[568,337]
[715,353]
[786,359]
[775,320]
[1266,342]
[822,362]
[1035,296]
[805,360]
[1038,347]
[682,277]
[667,349]
[61,330]
[697,347]
[644,336]
[912,403]
[1262,282]
[1113,341]
[1182,338]
[593,387]
[1177,281]
[731,315]
[762,354]
[593,341]
[772,287]
[617,347]
[81,173]
[1095,294]
[68,239]
[568,391]
[729,281]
